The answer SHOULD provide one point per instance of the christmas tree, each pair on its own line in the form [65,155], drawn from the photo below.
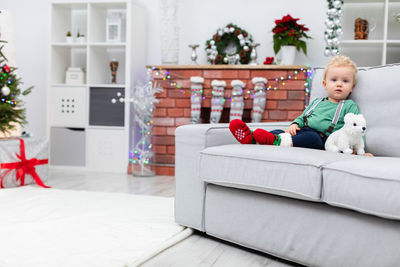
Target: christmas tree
[12,111]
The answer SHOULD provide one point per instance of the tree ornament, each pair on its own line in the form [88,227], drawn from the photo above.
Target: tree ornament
[337,4]
[5,90]
[6,68]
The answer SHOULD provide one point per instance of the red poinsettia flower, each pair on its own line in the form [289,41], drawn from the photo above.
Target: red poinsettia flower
[288,32]
[289,18]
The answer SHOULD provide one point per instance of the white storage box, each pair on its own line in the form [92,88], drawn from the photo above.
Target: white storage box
[75,76]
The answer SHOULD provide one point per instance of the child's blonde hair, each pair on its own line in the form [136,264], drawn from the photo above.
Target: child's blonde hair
[341,61]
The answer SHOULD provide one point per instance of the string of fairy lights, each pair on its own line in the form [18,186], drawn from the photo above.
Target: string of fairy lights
[273,84]
[4,84]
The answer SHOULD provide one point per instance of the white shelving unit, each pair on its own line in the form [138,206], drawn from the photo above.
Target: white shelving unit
[97,131]
[383,44]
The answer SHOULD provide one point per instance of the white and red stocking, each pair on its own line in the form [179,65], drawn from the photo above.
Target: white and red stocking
[259,98]
[195,99]
[237,103]
[217,100]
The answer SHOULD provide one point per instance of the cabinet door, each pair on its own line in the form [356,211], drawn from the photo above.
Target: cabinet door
[107,150]
[68,106]
[102,111]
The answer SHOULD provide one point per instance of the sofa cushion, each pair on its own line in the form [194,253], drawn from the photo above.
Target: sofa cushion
[377,96]
[368,185]
[292,172]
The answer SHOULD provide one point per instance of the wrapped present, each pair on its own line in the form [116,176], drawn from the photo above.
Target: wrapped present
[23,161]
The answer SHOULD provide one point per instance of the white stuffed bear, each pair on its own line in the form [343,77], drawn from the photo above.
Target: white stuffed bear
[349,137]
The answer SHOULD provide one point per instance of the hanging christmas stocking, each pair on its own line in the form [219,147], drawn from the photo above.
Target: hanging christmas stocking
[217,100]
[237,103]
[195,99]
[259,98]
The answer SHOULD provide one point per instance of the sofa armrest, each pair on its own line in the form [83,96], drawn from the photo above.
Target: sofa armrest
[189,189]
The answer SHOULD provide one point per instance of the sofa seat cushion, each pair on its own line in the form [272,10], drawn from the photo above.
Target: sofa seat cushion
[368,185]
[286,171]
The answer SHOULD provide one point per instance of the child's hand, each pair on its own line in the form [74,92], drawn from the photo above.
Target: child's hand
[292,129]
[365,154]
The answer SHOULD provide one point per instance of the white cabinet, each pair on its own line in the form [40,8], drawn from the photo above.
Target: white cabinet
[383,44]
[70,105]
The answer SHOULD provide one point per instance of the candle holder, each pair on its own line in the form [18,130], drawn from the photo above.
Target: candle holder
[253,54]
[194,54]
[114,68]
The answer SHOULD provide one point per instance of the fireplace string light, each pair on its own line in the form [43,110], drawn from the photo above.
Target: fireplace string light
[165,75]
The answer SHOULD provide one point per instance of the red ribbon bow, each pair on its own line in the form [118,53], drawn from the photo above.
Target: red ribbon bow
[23,167]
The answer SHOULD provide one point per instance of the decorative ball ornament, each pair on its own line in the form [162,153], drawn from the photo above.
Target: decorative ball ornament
[5,90]
[333,28]
[337,4]
[227,44]
[6,68]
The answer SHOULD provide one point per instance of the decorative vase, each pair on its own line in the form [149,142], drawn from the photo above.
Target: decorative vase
[288,53]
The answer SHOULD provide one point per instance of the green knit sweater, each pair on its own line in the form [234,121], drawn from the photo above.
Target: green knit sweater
[322,116]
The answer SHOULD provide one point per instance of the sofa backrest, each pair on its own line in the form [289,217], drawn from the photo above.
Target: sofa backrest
[377,95]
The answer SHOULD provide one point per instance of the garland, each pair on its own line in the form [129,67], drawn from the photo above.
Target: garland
[333,30]
[230,34]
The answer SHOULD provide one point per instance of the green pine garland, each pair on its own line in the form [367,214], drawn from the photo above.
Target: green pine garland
[221,39]
[12,111]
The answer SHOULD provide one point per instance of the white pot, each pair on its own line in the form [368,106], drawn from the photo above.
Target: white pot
[288,53]
[68,39]
[81,39]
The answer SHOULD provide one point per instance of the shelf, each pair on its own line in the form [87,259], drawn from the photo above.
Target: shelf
[373,12]
[362,42]
[105,44]
[68,18]
[363,2]
[68,85]
[105,128]
[100,57]
[108,85]
[63,57]
[97,24]
[61,44]
[383,42]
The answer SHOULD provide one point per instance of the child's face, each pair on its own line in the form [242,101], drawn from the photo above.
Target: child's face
[339,83]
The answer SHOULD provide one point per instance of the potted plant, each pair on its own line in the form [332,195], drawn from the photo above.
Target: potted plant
[289,36]
[80,37]
[68,37]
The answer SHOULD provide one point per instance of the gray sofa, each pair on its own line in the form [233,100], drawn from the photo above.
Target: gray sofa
[312,207]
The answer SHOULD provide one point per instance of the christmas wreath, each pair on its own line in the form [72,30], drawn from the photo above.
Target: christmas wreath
[229,45]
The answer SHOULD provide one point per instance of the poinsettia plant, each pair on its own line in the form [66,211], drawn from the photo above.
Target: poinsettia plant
[288,32]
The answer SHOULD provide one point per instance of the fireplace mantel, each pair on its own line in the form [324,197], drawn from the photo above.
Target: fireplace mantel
[286,95]
[229,67]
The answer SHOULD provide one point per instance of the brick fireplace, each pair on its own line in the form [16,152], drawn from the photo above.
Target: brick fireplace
[285,100]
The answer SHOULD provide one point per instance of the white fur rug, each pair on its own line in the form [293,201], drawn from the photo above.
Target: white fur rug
[51,227]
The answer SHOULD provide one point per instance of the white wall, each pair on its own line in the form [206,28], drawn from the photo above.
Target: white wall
[199,19]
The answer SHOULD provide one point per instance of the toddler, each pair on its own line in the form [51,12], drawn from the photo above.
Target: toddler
[311,129]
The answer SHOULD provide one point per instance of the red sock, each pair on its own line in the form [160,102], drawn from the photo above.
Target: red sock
[241,131]
[263,137]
